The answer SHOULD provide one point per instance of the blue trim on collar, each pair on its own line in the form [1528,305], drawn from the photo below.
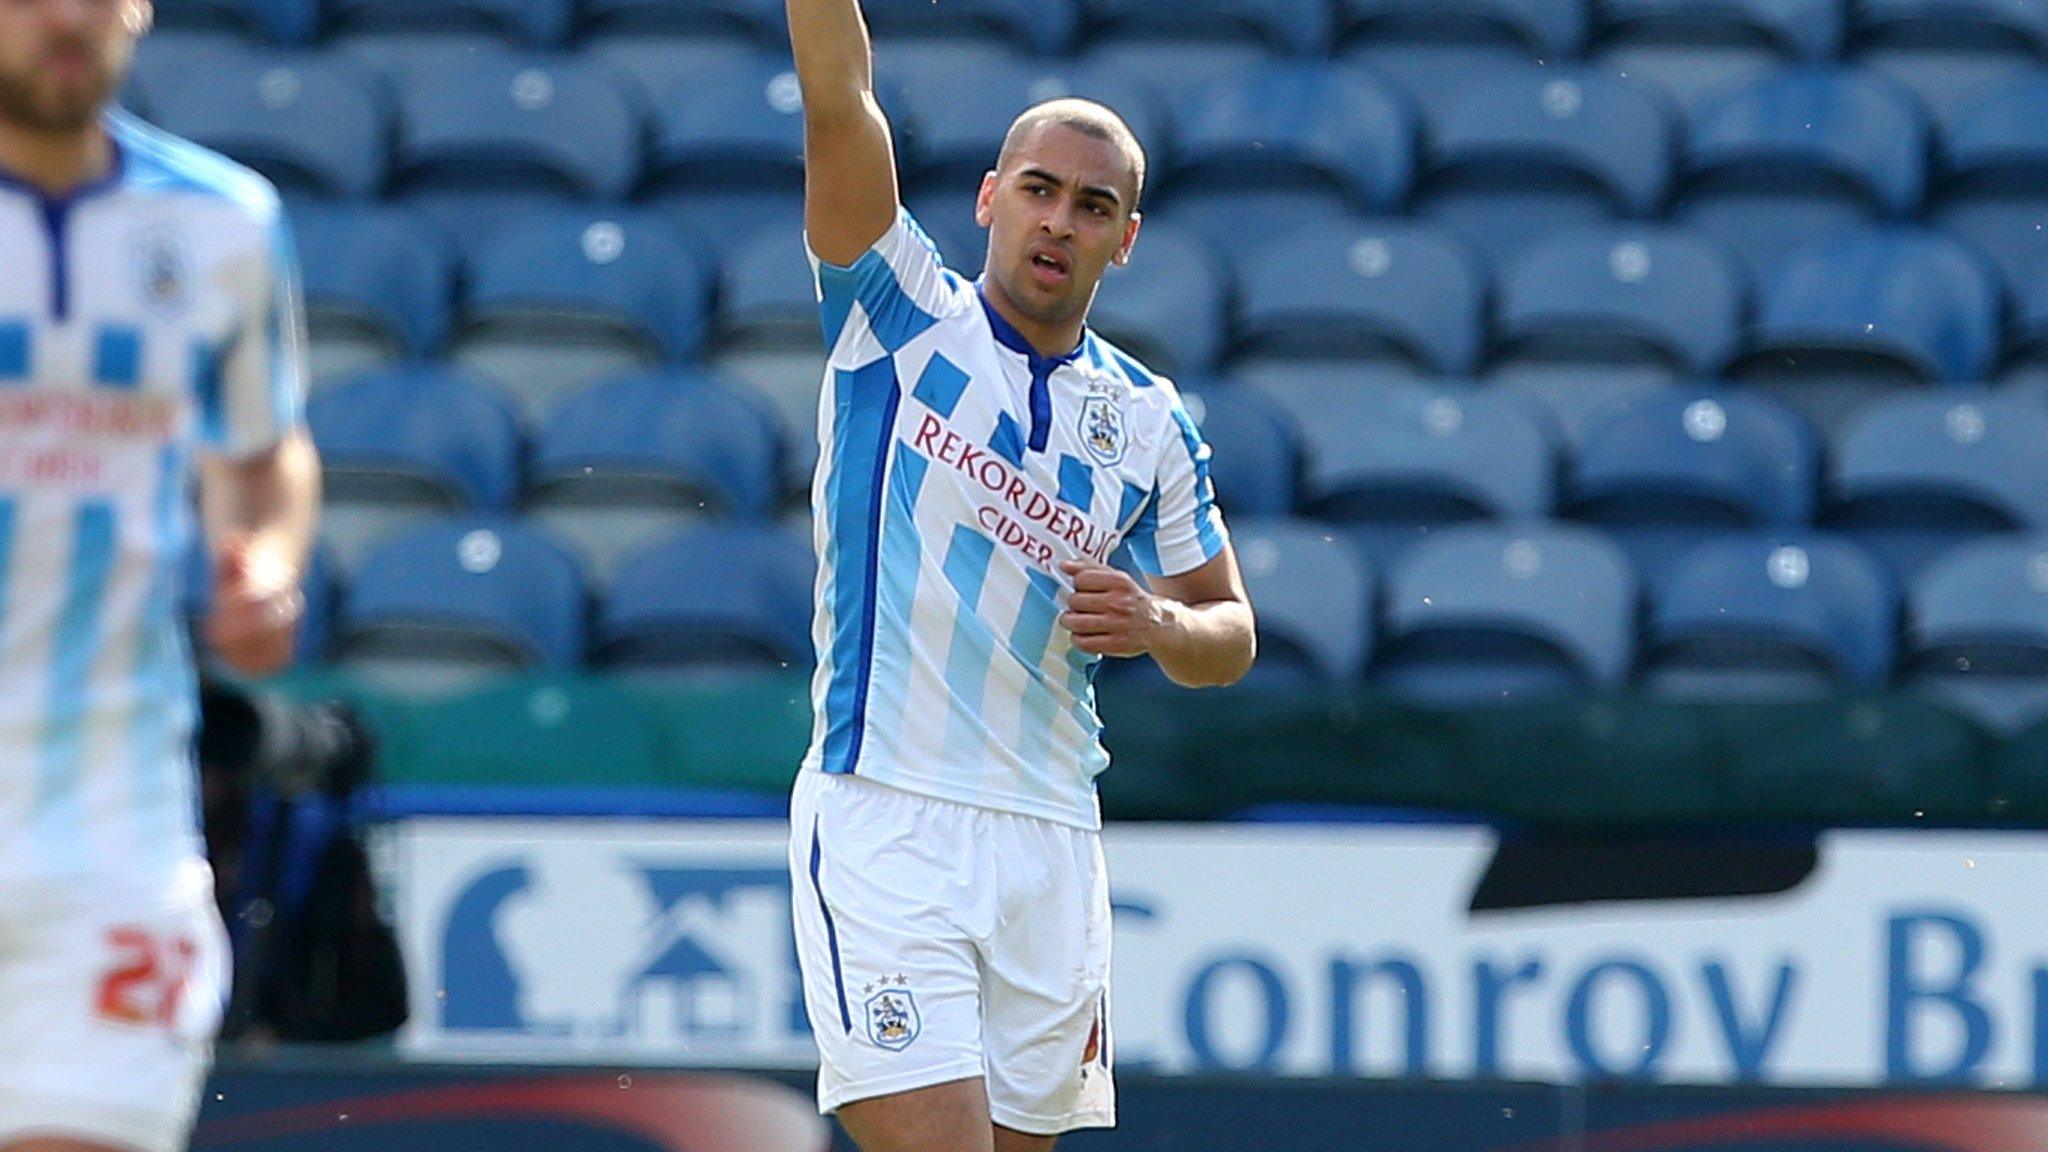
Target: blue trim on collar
[1009,337]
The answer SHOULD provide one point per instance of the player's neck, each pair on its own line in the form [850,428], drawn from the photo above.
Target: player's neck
[1050,340]
[54,163]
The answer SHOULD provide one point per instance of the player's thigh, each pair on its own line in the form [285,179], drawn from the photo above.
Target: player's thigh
[109,1000]
[949,1117]
[1011,1140]
[57,1144]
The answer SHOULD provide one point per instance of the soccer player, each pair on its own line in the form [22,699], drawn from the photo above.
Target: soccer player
[148,319]
[982,455]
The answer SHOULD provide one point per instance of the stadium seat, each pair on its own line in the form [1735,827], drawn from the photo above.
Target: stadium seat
[1918,475]
[1853,318]
[567,297]
[459,600]
[532,23]
[769,338]
[172,56]
[1176,69]
[710,600]
[959,115]
[728,152]
[1315,598]
[1621,296]
[402,446]
[1771,616]
[379,285]
[1047,26]
[1525,152]
[1293,27]
[1690,49]
[1573,399]
[1501,613]
[1799,153]
[1170,306]
[312,124]
[279,21]
[1948,52]
[1431,49]
[1993,193]
[1672,470]
[1381,290]
[1256,454]
[1294,146]
[482,142]
[642,456]
[1395,462]
[406,59]
[651,65]
[761,20]
[1977,631]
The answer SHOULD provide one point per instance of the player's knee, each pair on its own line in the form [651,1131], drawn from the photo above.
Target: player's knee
[950,1117]
[1011,1140]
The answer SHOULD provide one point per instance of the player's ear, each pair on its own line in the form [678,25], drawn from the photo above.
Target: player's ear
[1123,251]
[985,200]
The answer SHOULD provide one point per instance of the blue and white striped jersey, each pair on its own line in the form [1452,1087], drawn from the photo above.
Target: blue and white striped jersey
[141,318]
[957,470]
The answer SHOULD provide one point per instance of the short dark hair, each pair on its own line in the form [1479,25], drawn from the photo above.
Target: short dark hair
[1088,118]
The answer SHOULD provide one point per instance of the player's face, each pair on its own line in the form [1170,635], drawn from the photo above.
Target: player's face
[1058,214]
[62,60]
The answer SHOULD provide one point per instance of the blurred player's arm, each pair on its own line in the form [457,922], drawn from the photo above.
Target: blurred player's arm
[260,512]
[850,194]
[1197,626]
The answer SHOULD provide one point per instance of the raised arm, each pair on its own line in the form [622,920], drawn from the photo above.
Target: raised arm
[850,197]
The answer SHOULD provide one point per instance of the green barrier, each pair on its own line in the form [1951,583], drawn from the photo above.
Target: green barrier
[1853,760]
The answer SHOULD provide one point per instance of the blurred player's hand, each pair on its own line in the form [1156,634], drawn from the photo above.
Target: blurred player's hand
[1109,614]
[256,607]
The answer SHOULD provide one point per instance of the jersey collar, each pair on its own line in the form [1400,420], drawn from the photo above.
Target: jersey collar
[117,165]
[1009,337]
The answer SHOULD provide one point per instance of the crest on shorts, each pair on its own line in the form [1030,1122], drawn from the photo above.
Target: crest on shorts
[893,1020]
[1103,431]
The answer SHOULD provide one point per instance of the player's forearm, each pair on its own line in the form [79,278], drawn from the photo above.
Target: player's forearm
[1208,645]
[834,61]
[272,497]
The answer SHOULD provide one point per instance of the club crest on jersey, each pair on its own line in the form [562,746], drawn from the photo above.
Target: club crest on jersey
[893,1019]
[1103,431]
[162,271]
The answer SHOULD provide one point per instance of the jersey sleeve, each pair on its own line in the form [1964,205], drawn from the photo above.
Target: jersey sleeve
[1181,528]
[884,300]
[261,384]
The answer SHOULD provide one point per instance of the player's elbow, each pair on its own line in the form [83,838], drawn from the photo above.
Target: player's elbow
[1223,665]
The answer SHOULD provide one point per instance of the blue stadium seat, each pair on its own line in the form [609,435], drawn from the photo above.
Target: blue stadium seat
[1047,26]
[958,116]
[379,286]
[650,65]
[728,152]
[1294,27]
[534,23]
[769,338]
[1797,154]
[1176,69]
[1977,631]
[280,21]
[1993,193]
[714,599]
[459,600]
[1525,152]
[1866,313]
[1629,295]
[1573,399]
[1395,462]
[1918,475]
[1256,463]
[397,447]
[1170,306]
[1690,49]
[1315,598]
[312,124]
[1665,473]
[1948,52]
[404,60]
[483,142]
[567,297]
[762,20]
[1373,290]
[1771,615]
[1431,49]
[644,455]
[1500,613]
[171,57]
[1295,145]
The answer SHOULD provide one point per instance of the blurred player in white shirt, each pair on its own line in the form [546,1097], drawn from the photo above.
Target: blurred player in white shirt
[981,456]
[150,326]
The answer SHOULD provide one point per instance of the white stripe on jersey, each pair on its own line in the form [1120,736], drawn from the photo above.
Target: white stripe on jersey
[957,470]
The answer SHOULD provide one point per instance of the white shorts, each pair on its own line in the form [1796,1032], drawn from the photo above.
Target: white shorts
[942,942]
[110,996]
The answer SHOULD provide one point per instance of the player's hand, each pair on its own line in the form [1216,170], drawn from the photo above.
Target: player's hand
[1109,614]
[256,607]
